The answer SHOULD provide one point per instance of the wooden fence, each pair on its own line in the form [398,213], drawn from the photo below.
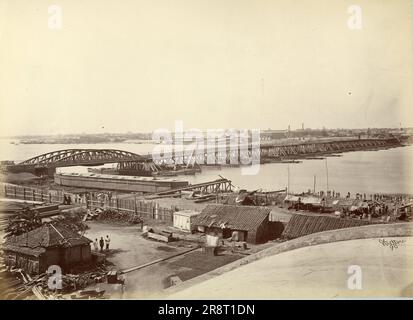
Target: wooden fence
[144,209]
[92,200]
[33,194]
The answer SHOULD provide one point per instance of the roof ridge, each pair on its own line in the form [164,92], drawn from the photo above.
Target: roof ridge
[245,217]
[46,239]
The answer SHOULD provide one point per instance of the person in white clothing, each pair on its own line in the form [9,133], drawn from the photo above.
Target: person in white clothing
[107,241]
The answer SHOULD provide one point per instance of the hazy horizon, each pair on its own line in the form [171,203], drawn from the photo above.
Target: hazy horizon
[186,129]
[141,65]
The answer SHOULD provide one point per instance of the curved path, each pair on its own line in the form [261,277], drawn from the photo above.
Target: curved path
[319,271]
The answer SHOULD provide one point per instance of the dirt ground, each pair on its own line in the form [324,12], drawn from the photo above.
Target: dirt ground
[129,249]
[199,263]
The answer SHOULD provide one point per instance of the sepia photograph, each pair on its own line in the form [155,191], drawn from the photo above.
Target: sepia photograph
[206,150]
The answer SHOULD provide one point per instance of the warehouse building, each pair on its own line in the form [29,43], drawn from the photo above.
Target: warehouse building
[118,182]
[241,223]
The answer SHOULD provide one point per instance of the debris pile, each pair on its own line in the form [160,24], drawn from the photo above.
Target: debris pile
[73,223]
[70,283]
[25,221]
[11,286]
[117,216]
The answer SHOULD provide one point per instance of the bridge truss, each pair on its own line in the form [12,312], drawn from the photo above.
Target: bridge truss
[82,156]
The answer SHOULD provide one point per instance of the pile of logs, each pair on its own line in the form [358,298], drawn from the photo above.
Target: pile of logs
[25,221]
[116,216]
[73,223]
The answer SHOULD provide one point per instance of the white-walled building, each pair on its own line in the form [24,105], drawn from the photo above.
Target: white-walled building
[183,220]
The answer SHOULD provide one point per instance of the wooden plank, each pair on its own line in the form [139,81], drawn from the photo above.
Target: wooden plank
[158,237]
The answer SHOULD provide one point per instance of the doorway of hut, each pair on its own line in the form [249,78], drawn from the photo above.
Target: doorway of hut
[226,233]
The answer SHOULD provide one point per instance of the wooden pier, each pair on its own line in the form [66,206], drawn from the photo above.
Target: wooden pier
[211,187]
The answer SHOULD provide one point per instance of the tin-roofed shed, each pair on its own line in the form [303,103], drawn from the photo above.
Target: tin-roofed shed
[183,220]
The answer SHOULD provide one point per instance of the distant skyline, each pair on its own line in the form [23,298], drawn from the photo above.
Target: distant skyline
[141,65]
[150,132]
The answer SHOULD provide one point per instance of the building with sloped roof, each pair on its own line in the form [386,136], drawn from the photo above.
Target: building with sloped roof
[250,223]
[36,250]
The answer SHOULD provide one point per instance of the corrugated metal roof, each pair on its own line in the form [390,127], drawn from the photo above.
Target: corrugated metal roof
[186,213]
[233,217]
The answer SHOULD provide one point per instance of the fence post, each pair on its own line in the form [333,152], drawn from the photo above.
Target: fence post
[34,196]
[24,193]
[15,192]
[117,204]
[88,201]
[50,198]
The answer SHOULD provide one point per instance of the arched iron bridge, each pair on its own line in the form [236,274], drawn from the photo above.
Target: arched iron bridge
[76,157]
[92,157]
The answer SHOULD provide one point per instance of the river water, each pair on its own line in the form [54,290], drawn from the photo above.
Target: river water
[383,171]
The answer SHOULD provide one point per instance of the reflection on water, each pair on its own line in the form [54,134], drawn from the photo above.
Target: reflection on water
[384,171]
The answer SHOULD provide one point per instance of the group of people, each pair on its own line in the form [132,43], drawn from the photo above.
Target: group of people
[75,198]
[67,199]
[101,243]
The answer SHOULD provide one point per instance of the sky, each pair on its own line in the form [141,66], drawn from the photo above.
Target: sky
[119,66]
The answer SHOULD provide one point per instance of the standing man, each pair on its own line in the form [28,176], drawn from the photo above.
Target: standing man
[101,243]
[95,245]
[107,241]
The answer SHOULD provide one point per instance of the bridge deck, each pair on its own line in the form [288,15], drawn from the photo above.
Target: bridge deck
[282,149]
